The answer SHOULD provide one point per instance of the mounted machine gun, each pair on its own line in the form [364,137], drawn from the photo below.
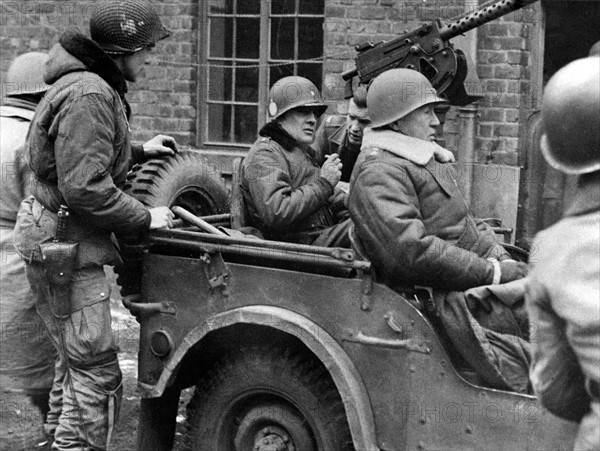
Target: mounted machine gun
[428,49]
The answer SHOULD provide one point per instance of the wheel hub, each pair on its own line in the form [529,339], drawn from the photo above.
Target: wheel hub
[273,438]
[271,426]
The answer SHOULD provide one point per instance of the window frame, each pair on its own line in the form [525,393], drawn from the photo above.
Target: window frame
[264,62]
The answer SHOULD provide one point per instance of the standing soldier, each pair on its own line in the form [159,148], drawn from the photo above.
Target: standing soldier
[343,136]
[80,152]
[27,355]
[564,289]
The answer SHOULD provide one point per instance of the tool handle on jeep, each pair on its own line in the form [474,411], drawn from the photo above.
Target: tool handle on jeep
[428,50]
[195,220]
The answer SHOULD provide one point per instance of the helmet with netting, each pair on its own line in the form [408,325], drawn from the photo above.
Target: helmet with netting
[126,26]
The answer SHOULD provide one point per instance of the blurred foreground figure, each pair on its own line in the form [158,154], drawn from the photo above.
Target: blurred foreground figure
[564,290]
[27,355]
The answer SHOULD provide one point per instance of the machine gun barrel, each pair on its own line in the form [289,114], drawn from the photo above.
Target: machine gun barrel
[481,16]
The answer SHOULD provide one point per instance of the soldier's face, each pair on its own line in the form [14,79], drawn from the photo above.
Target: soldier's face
[357,119]
[301,124]
[420,123]
[133,64]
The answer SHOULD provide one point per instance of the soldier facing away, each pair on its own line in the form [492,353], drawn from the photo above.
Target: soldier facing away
[27,355]
[564,289]
[80,152]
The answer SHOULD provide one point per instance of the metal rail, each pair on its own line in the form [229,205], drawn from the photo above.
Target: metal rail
[192,243]
[338,253]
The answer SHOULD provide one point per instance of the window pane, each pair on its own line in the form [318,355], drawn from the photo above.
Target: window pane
[246,84]
[246,120]
[282,38]
[311,7]
[248,36]
[312,71]
[248,6]
[219,81]
[219,123]
[310,32]
[221,34]
[221,7]
[283,6]
[277,72]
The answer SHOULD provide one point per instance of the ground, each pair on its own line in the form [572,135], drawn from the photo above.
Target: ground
[20,423]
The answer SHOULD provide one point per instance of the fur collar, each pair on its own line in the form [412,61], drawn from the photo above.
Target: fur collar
[94,58]
[277,133]
[412,149]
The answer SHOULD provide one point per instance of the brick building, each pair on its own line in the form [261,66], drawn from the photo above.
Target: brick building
[207,84]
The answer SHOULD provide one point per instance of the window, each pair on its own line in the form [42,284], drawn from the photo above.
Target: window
[246,46]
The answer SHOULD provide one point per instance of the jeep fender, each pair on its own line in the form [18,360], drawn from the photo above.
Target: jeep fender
[328,351]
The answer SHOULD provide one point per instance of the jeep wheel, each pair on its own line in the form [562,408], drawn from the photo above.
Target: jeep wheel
[184,179]
[265,398]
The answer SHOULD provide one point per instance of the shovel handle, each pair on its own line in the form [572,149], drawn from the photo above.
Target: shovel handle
[195,220]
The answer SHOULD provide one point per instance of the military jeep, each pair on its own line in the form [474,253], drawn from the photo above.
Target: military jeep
[293,347]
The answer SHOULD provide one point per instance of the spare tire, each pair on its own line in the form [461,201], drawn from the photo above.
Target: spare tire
[185,179]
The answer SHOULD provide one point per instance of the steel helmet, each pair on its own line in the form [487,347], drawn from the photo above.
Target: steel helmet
[293,92]
[25,74]
[397,92]
[126,26]
[571,118]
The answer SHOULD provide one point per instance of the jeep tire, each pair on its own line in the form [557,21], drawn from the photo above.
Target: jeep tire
[184,179]
[263,398]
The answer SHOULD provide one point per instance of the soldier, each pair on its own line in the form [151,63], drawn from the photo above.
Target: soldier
[344,136]
[408,213]
[564,289]
[27,355]
[287,195]
[79,150]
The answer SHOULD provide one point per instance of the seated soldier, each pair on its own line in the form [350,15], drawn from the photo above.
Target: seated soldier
[288,197]
[409,215]
[414,225]
[344,135]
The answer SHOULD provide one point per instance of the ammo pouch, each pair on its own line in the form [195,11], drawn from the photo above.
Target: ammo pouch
[58,260]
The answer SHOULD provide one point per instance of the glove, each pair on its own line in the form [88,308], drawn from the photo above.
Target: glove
[512,270]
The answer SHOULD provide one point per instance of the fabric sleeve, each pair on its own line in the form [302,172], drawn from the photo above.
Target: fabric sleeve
[137,154]
[84,155]
[555,373]
[321,145]
[279,205]
[385,209]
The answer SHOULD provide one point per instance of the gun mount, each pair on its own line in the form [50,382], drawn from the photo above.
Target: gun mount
[428,49]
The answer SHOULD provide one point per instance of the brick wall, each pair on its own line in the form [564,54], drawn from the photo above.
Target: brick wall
[164,100]
[502,59]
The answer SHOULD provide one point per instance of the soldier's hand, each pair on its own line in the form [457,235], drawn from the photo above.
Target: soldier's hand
[332,169]
[161,217]
[160,145]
